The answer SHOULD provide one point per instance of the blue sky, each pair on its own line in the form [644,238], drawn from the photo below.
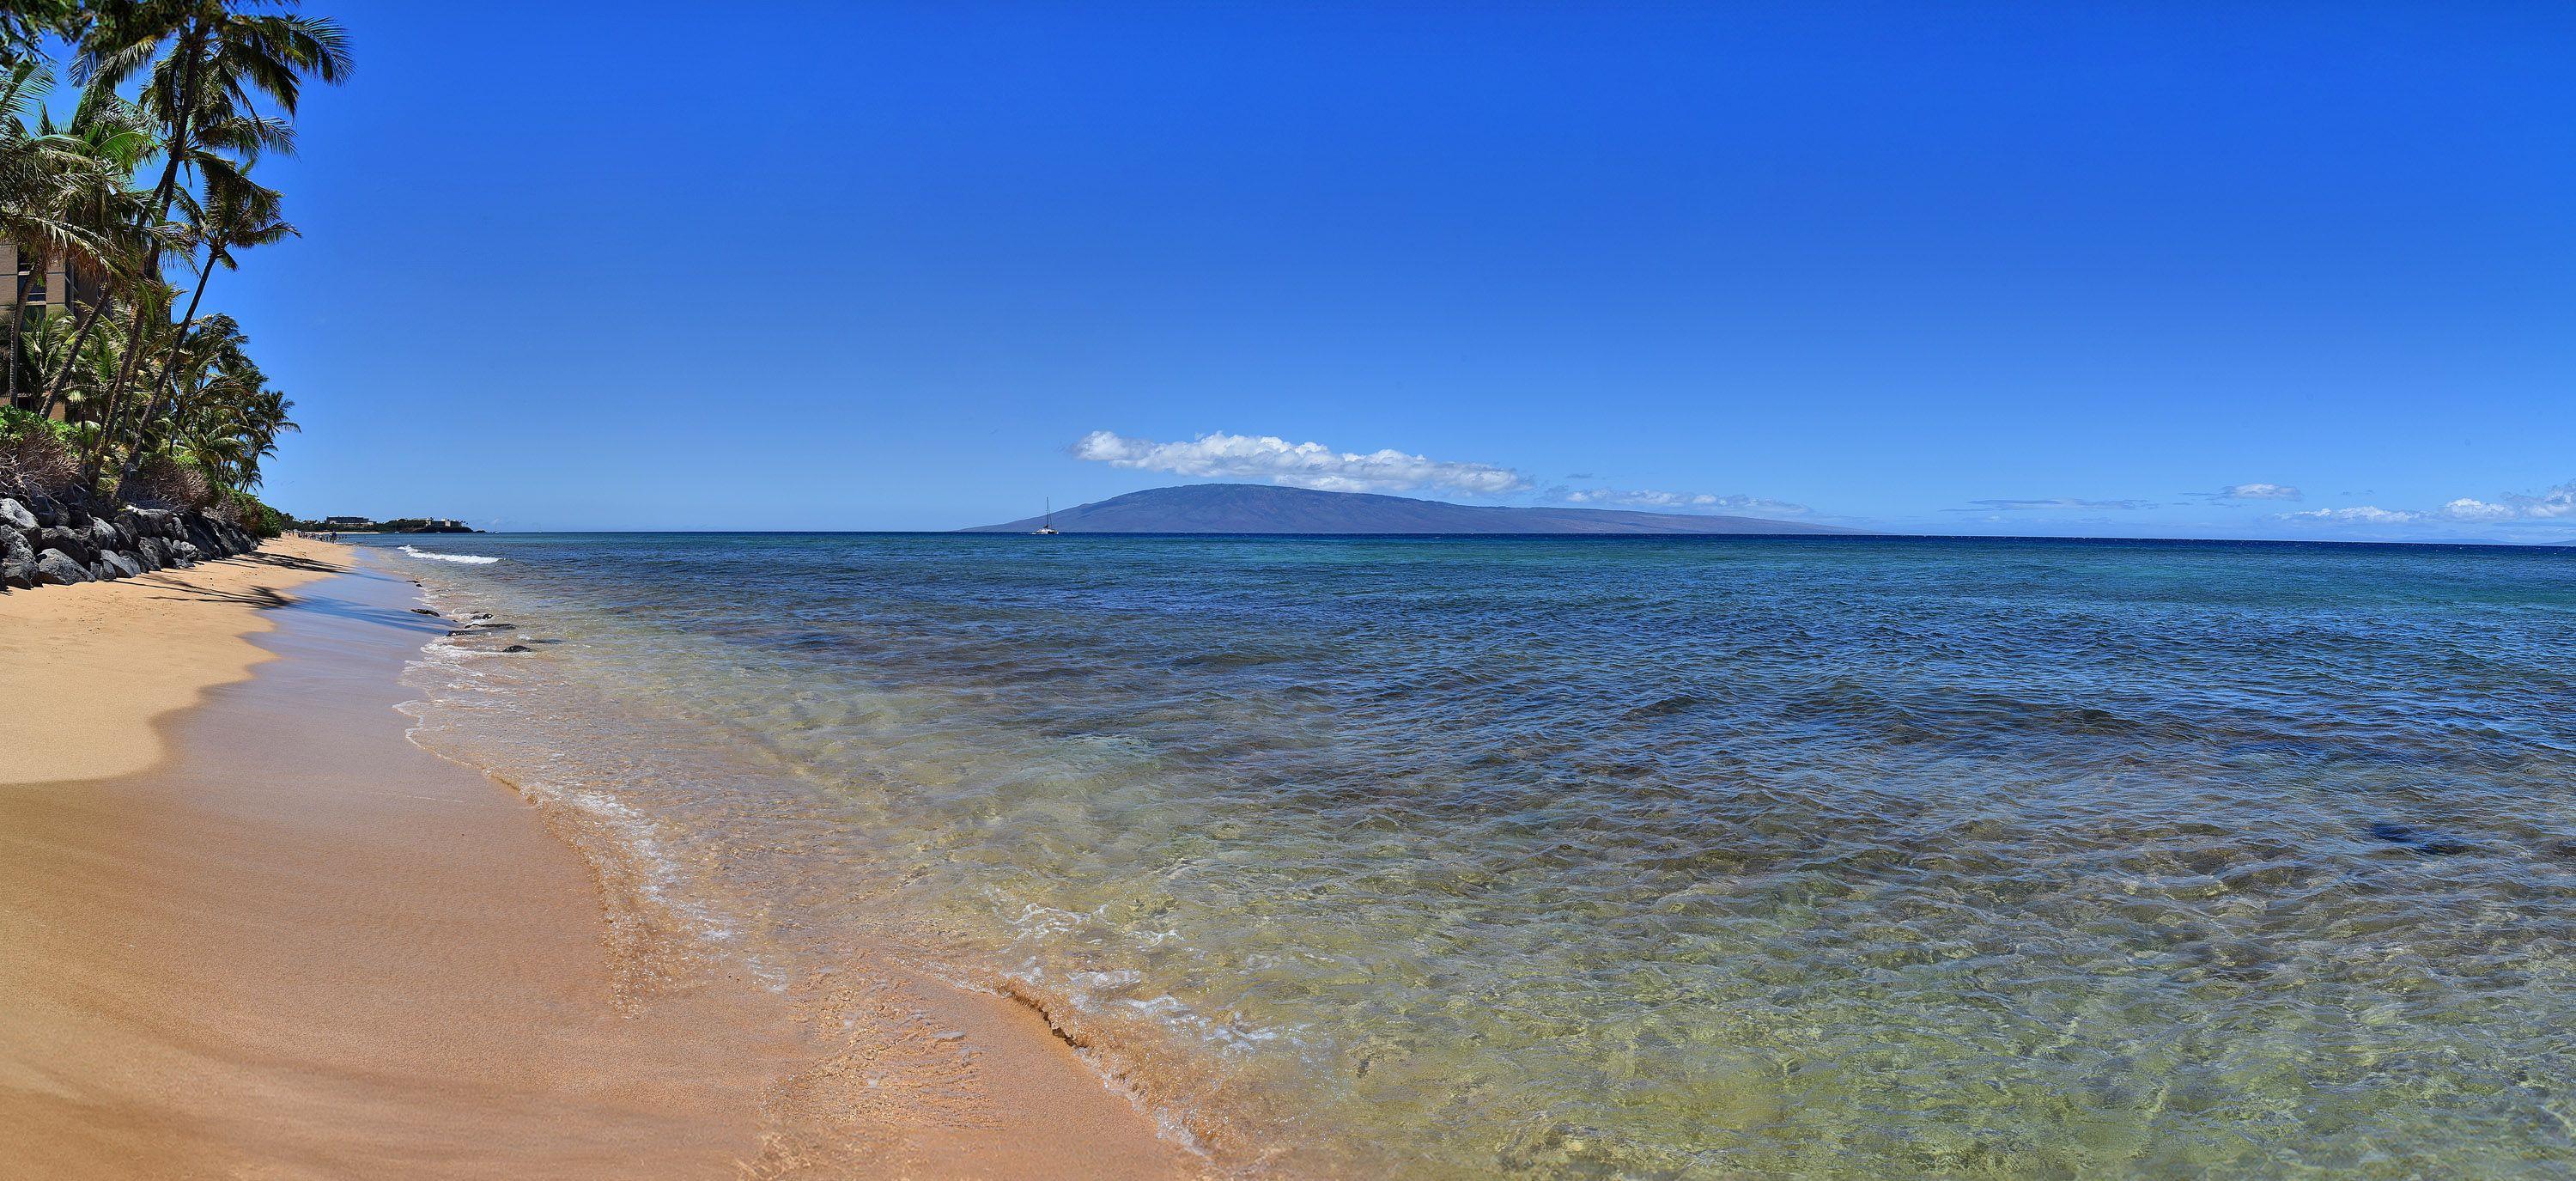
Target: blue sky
[2039,268]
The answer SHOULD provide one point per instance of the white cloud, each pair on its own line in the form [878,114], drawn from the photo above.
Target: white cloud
[1702,501]
[2468,509]
[2259,492]
[2549,505]
[2051,504]
[1298,465]
[2361,515]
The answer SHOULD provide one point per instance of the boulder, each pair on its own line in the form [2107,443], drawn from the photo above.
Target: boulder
[152,522]
[55,568]
[17,560]
[153,552]
[16,516]
[48,510]
[103,534]
[71,543]
[185,553]
[118,565]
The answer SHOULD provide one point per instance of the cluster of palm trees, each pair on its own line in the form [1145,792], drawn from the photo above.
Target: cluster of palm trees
[143,190]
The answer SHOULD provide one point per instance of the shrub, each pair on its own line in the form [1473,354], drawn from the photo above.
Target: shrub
[262,520]
[236,507]
[35,457]
[164,483]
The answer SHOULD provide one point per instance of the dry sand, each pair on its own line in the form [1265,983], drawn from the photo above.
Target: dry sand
[85,669]
[248,931]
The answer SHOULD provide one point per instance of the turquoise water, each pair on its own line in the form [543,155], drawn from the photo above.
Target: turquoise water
[1706,858]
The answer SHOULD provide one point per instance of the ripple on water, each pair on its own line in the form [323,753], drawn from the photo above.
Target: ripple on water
[1637,859]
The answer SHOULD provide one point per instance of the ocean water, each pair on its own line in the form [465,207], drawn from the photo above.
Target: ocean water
[1708,858]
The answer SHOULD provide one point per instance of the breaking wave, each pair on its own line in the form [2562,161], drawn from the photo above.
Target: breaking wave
[468,559]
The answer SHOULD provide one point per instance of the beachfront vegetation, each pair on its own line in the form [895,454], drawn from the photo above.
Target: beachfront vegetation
[139,185]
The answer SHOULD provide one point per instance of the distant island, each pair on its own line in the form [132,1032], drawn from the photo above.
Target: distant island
[1260,508]
[397,525]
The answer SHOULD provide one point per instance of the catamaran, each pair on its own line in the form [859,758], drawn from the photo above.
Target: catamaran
[1046,524]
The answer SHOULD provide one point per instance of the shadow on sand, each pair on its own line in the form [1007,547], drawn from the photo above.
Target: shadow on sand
[177,585]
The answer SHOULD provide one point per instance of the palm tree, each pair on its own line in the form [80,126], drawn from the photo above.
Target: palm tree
[93,358]
[205,64]
[230,419]
[237,214]
[111,138]
[214,85]
[220,59]
[24,24]
[31,189]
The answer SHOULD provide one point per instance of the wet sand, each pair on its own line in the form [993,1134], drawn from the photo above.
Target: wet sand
[247,930]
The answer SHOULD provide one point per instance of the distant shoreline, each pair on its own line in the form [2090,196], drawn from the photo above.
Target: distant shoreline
[1616,538]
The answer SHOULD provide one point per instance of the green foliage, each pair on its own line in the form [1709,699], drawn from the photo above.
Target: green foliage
[16,424]
[255,515]
[149,183]
[36,455]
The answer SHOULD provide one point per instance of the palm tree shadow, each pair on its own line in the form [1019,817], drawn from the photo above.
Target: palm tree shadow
[259,596]
[292,562]
[262,598]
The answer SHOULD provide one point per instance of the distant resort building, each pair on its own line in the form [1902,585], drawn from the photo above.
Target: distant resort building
[56,285]
[348,522]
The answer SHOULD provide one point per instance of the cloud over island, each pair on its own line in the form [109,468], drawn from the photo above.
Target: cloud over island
[1699,501]
[1298,465]
[1223,456]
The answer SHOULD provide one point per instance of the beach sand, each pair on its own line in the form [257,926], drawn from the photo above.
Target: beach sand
[248,931]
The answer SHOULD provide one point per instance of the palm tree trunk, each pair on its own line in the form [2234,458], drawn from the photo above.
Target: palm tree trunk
[168,384]
[176,149]
[81,327]
[80,340]
[113,414]
[17,327]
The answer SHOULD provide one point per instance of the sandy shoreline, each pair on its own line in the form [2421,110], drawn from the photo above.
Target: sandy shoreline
[247,930]
[105,659]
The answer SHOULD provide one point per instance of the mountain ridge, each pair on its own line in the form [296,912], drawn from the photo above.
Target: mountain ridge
[1263,508]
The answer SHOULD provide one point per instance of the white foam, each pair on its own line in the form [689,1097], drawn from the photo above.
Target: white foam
[468,559]
[455,688]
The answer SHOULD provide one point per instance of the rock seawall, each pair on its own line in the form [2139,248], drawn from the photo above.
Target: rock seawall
[44,542]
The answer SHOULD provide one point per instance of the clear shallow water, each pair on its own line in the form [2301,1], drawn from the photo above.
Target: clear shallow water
[1626,858]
